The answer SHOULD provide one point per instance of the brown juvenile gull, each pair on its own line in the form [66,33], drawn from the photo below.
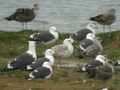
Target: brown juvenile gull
[24,15]
[107,18]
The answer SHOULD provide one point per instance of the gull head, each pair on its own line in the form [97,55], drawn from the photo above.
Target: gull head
[68,40]
[49,52]
[52,29]
[111,11]
[92,26]
[90,36]
[101,58]
[34,37]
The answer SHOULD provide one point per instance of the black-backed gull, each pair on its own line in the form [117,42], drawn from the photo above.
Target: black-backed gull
[39,62]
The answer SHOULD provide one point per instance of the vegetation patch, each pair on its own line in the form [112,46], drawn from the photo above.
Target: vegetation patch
[14,43]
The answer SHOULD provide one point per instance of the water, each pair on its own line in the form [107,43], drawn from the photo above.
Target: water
[66,15]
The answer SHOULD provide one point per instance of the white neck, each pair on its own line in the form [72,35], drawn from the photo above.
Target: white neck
[35,7]
[101,60]
[91,29]
[50,68]
[90,38]
[55,34]
[51,59]
[70,46]
[32,48]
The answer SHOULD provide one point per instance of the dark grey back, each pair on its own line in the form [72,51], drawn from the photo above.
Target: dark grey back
[42,72]
[22,61]
[80,35]
[39,63]
[43,37]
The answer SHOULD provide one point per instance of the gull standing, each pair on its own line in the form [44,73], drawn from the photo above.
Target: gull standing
[24,15]
[107,18]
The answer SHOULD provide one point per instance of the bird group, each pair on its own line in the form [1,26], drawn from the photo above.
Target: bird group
[89,46]
[39,67]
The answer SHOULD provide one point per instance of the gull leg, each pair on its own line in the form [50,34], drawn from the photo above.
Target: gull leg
[23,25]
[110,31]
[104,28]
[60,61]
[26,25]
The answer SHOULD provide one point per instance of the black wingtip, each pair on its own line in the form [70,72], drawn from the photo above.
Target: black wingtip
[7,18]
[92,18]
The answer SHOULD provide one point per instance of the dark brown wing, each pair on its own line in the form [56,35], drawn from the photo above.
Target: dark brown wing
[104,19]
[24,14]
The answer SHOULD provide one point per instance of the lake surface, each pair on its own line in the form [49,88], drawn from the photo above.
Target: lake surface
[66,15]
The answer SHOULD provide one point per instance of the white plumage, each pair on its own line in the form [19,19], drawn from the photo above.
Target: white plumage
[64,50]
[24,59]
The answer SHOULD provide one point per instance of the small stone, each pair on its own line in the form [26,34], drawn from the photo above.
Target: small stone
[84,81]
[105,89]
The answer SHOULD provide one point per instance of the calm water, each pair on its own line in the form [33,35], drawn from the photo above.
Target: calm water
[66,15]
